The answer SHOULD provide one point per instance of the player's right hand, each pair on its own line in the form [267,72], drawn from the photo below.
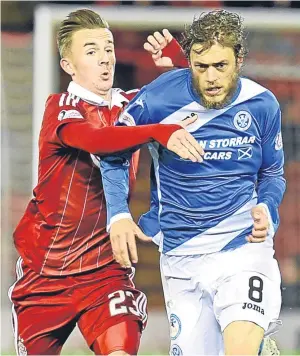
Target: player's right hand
[184,144]
[122,237]
[155,44]
[260,225]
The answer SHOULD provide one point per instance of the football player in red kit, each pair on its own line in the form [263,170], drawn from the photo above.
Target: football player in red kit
[66,273]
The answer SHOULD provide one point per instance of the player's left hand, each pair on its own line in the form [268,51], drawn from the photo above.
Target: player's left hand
[155,44]
[260,226]
[122,237]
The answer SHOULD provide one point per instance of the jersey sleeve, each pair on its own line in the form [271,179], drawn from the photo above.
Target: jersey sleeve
[69,127]
[174,51]
[137,111]
[271,183]
[60,110]
[115,181]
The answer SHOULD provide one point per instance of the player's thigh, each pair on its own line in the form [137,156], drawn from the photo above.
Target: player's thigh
[120,339]
[113,303]
[242,338]
[252,298]
[42,341]
[42,321]
[193,326]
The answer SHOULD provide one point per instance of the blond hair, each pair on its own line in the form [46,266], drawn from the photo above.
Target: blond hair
[75,21]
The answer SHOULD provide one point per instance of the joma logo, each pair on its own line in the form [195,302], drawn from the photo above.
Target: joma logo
[254,307]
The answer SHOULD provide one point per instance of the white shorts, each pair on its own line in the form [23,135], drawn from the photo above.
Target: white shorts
[205,293]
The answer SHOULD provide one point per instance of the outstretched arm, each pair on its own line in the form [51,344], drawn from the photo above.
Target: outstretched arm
[103,140]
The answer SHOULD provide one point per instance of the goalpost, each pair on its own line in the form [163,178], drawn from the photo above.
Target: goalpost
[46,70]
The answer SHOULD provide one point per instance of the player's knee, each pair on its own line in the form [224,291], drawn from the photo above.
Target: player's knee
[240,348]
[242,338]
[119,353]
[120,339]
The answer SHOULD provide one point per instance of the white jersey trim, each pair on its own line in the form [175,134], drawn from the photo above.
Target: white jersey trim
[80,221]
[68,99]
[62,216]
[117,99]
[249,89]
[217,237]
[20,274]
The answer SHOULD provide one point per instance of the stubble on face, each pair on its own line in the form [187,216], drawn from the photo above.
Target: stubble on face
[212,104]
[215,73]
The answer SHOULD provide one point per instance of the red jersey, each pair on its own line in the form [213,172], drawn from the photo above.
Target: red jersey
[63,230]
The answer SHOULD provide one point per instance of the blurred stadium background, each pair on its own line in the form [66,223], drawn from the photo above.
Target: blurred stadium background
[30,71]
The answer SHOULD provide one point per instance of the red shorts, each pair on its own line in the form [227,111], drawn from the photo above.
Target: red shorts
[46,309]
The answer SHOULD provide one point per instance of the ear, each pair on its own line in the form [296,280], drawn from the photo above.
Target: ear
[67,66]
[240,61]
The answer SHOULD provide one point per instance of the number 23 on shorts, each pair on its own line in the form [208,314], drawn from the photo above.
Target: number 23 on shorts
[122,302]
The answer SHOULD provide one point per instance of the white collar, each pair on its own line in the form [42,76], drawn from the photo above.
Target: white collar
[117,98]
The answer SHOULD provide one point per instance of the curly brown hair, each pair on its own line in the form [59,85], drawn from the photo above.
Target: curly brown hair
[219,26]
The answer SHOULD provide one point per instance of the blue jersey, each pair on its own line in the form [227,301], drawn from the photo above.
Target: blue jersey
[205,207]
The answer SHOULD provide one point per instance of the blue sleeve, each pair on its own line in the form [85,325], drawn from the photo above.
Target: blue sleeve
[149,221]
[137,111]
[115,169]
[115,180]
[271,183]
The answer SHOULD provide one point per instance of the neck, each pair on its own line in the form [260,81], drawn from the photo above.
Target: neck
[104,94]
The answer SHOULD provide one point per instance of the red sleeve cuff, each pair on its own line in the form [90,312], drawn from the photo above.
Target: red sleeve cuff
[174,51]
[163,134]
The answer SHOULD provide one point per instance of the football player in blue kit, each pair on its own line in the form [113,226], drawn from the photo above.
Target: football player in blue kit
[214,221]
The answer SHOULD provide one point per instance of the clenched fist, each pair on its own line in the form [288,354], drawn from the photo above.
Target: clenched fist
[260,226]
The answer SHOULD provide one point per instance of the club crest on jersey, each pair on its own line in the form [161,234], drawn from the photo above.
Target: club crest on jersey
[242,120]
[175,326]
[176,350]
[69,114]
[278,142]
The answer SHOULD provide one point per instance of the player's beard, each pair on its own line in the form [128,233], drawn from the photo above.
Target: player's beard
[210,104]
